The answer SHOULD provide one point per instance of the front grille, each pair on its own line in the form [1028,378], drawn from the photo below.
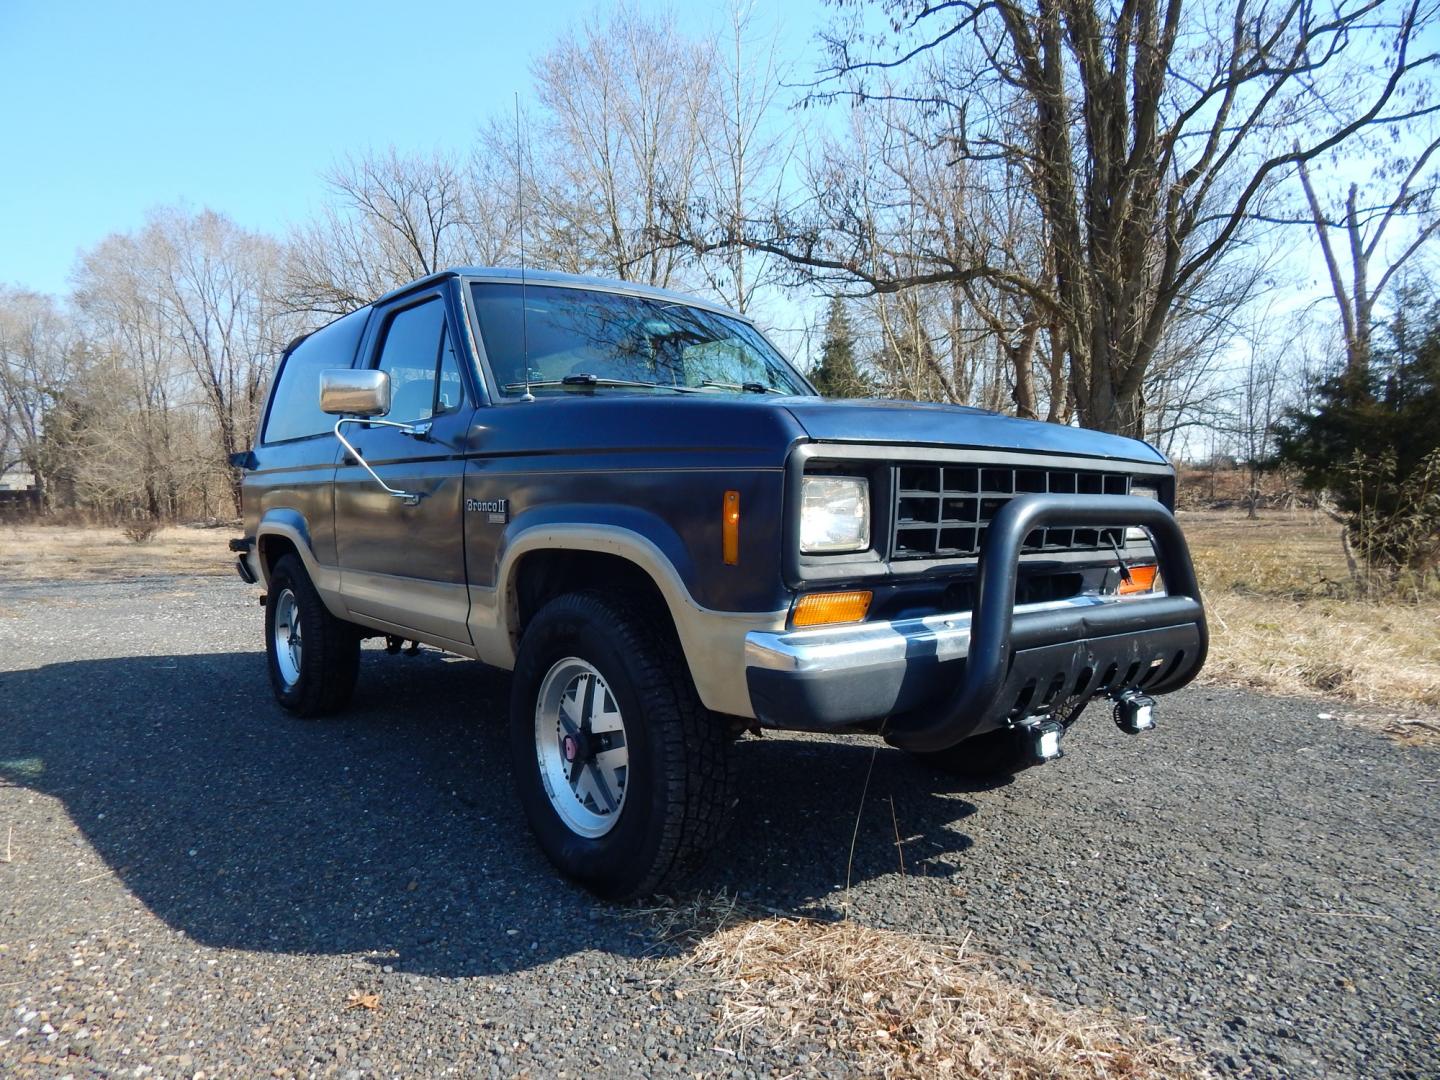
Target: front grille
[941,511]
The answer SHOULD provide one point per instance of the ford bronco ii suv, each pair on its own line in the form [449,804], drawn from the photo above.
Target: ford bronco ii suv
[632,501]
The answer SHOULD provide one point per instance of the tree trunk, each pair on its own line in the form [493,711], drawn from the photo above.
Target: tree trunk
[1107,409]
[1021,358]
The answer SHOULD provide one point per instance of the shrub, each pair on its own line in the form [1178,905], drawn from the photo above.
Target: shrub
[141,530]
[1371,440]
[1395,519]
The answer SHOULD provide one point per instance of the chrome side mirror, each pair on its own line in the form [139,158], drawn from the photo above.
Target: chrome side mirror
[357,396]
[354,392]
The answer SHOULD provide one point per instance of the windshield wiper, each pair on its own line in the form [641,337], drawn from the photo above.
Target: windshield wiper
[747,388]
[585,379]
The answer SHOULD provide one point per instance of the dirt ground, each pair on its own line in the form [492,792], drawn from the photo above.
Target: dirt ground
[193,880]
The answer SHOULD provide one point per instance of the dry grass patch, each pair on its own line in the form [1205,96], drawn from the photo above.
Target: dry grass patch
[1281,553]
[1370,653]
[900,1005]
[1283,618]
[73,553]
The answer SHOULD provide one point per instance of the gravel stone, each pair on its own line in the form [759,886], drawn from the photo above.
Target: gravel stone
[201,883]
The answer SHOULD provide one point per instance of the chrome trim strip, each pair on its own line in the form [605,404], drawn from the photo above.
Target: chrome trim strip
[878,644]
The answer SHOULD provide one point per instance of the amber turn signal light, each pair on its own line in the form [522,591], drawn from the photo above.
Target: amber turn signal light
[730,528]
[1142,579]
[830,608]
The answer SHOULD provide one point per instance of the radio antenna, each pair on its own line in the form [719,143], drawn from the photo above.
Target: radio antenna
[520,206]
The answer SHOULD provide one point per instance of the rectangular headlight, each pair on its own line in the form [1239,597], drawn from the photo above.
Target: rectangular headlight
[834,514]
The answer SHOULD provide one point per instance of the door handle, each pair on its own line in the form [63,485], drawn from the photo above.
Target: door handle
[409,498]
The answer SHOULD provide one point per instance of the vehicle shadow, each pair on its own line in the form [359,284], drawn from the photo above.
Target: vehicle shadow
[391,830]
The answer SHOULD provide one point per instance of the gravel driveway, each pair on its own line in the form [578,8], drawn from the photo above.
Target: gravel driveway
[200,883]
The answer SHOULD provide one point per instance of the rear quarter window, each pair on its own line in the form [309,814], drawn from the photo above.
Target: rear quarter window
[295,403]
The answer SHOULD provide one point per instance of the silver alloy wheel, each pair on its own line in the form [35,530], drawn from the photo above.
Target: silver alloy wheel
[287,637]
[581,747]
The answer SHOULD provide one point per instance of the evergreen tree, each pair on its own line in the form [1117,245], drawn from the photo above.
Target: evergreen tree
[838,374]
[1372,438]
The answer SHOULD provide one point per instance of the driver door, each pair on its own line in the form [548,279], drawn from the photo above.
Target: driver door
[402,565]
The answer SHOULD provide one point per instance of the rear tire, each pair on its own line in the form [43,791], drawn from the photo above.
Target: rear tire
[313,657]
[625,777]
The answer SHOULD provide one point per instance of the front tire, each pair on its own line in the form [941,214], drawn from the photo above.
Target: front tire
[314,658]
[624,776]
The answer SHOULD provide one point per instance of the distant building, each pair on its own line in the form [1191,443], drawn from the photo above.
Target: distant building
[18,490]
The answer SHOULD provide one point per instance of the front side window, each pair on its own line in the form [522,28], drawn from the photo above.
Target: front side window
[567,339]
[424,372]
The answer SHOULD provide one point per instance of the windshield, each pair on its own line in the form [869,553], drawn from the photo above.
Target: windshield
[581,339]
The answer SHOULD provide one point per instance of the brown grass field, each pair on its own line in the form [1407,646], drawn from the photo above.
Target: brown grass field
[1283,615]
[77,553]
[1284,618]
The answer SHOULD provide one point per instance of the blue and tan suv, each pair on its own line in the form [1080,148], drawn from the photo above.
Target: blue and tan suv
[631,500]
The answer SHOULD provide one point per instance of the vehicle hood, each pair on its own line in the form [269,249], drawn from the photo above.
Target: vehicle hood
[915,423]
[752,427]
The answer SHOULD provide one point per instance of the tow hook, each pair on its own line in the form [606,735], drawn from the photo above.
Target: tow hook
[1134,712]
[1043,740]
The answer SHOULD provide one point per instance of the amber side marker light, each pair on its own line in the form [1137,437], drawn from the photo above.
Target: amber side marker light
[829,608]
[1142,580]
[730,528]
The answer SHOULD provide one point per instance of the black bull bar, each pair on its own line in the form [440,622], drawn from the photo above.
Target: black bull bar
[1155,642]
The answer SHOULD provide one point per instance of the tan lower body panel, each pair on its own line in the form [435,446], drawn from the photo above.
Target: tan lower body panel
[713,641]
[460,648]
[714,644]
[429,608]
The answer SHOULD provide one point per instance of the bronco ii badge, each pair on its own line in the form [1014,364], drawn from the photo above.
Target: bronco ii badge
[495,510]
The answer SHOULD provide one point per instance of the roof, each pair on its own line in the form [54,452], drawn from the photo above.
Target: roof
[16,478]
[554,278]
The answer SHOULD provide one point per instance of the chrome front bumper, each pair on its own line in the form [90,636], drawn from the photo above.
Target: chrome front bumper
[937,680]
[849,678]
[867,646]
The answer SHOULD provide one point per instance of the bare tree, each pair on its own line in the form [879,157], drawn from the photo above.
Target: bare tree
[741,161]
[1259,402]
[1366,223]
[136,380]
[615,145]
[394,218]
[893,184]
[1146,143]
[185,328]
[215,285]
[35,371]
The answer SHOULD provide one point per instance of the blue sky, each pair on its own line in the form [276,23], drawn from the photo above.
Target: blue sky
[111,109]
